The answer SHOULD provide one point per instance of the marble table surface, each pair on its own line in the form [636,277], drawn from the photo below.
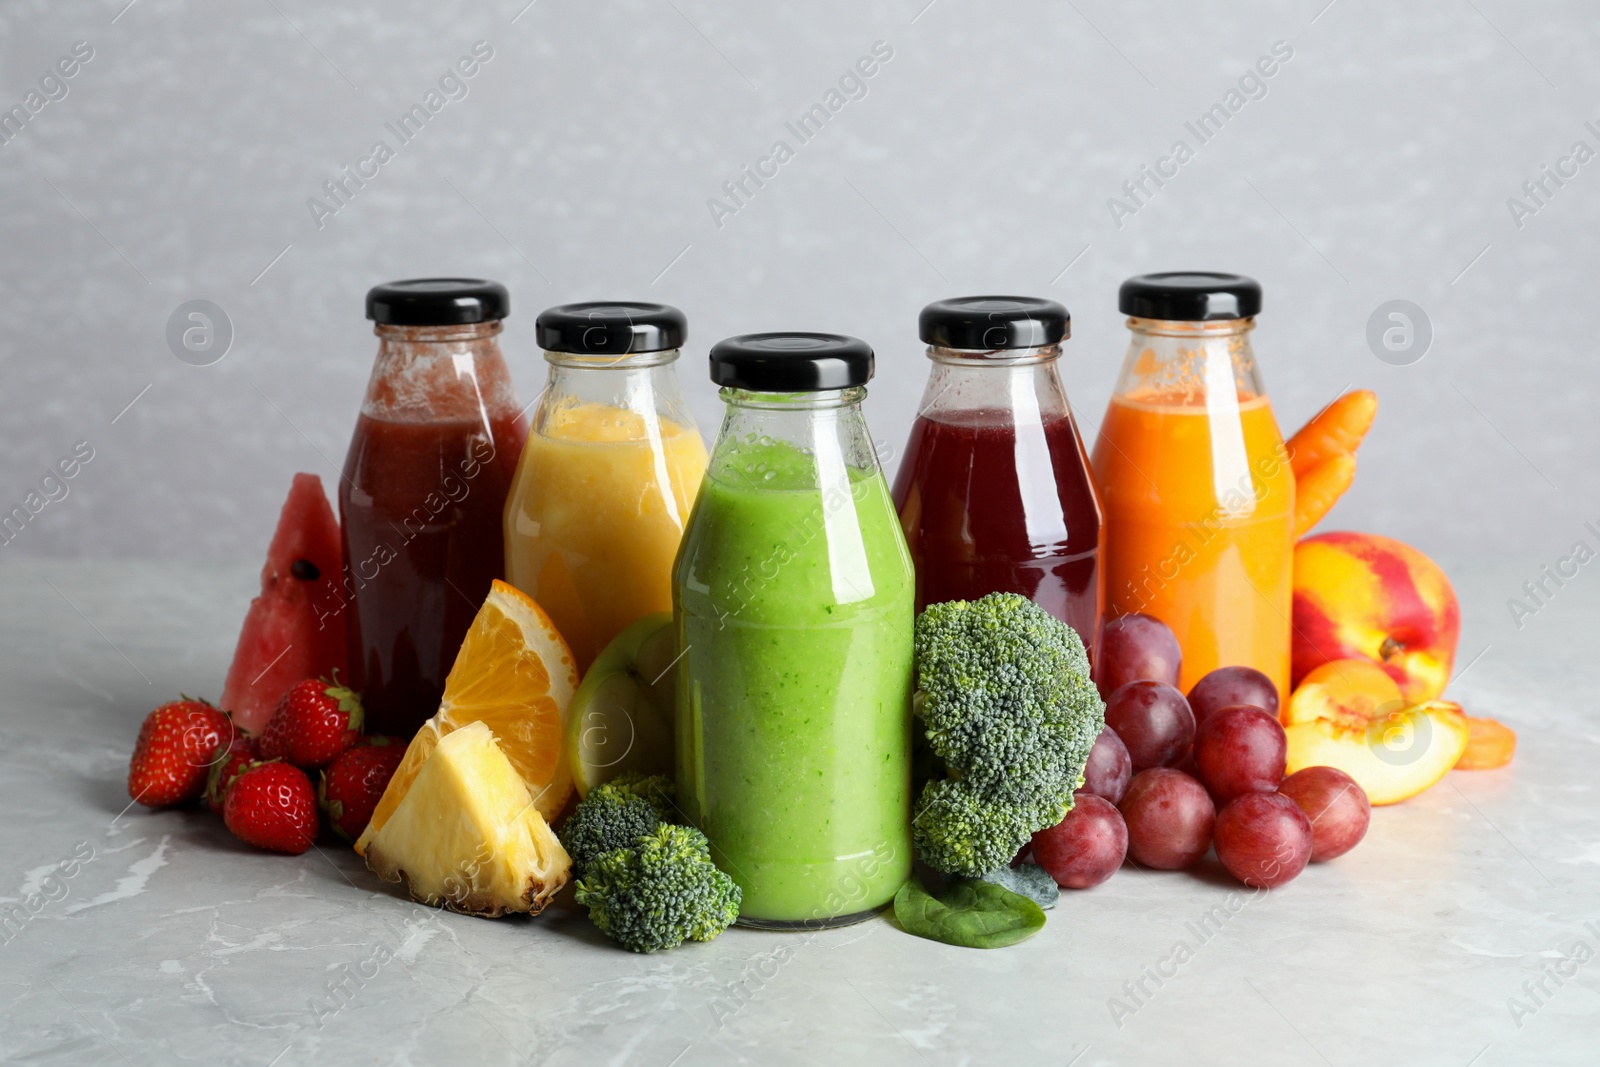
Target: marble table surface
[1459,933]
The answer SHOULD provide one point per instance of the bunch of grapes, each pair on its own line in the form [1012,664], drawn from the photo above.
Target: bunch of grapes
[1174,775]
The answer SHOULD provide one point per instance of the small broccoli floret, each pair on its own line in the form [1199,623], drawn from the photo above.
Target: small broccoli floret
[1005,698]
[660,892]
[648,884]
[959,829]
[615,815]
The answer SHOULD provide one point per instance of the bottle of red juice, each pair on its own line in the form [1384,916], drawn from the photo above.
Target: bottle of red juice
[994,491]
[424,485]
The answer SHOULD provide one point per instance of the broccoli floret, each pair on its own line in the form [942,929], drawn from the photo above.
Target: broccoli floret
[660,892]
[1005,698]
[959,829]
[615,815]
[648,883]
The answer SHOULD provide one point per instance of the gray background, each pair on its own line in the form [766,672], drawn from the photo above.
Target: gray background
[1377,167]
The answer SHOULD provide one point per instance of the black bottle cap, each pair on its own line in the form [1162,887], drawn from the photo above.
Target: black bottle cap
[1190,296]
[791,362]
[986,323]
[611,328]
[437,302]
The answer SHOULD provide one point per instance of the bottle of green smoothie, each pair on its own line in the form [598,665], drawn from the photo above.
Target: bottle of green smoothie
[793,597]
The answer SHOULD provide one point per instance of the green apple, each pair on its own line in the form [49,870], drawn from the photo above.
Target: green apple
[621,718]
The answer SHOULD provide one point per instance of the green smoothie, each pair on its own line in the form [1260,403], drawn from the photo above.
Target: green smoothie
[794,603]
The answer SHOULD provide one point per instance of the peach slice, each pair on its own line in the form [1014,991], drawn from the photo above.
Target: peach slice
[1491,744]
[1395,755]
[1351,691]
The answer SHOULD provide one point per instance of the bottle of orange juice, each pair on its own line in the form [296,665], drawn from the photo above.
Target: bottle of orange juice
[611,468]
[1195,480]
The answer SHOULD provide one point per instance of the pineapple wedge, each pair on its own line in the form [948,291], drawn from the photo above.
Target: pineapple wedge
[467,835]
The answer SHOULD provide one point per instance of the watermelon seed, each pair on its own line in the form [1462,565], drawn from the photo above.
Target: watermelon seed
[305,570]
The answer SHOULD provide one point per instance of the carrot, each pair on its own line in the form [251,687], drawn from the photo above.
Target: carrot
[1337,428]
[1490,744]
[1319,488]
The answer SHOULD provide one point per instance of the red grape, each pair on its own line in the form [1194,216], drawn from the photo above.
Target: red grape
[1240,750]
[1264,839]
[1337,807]
[1169,817]
[1109,767]
[1086,847]
[1135,647]
[1227,686]
[1153,721]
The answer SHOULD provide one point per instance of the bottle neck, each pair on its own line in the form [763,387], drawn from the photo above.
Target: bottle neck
[793,440]
[781,406]
[999,357]
[439,374]
[622,361]
[1000,387]
[441,335]
[638,392]
[1190,363]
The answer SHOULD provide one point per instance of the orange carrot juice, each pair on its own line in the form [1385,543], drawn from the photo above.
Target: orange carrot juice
[1199,503]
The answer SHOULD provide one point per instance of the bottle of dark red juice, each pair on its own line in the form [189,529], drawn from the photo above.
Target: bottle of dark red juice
[424,485]
[994,491]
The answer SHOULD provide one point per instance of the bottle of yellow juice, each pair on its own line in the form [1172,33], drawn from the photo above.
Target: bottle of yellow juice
[611,468]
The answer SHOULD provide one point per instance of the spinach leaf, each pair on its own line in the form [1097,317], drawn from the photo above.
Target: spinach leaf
[968,912]
[1028,880]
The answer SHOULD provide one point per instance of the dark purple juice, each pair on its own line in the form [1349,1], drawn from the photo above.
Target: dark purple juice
[421,504]
[988,506]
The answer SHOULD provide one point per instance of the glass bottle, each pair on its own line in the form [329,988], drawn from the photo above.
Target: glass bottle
[994,491]
[612,465]
[424,485]
[1198,491]
[794,610]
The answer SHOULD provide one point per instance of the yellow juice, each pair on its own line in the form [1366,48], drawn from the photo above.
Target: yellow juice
[596,511]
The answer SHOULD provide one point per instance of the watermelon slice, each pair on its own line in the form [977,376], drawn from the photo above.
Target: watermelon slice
[295,628]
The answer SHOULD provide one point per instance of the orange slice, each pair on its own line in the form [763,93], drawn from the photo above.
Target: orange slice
[516,675]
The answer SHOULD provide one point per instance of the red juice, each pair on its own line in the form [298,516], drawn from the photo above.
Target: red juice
[988,506]
[421,505]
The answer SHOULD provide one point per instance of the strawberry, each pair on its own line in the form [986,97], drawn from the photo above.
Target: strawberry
[313,722]
[173,755]
[272,805]
[231,759]
[354,782]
